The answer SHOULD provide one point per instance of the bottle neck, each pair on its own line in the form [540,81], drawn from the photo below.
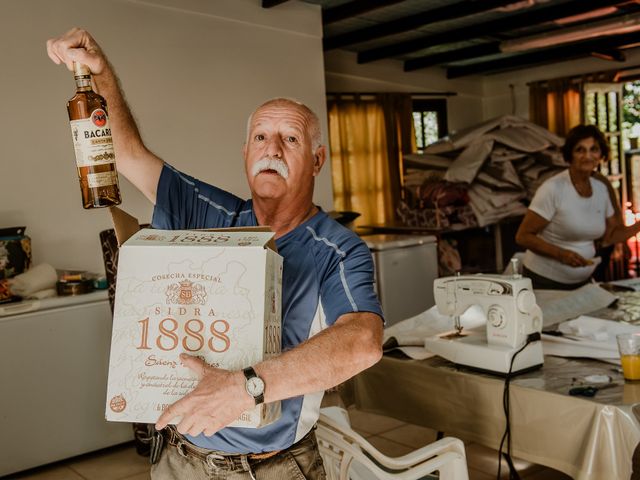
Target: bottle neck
[83,83]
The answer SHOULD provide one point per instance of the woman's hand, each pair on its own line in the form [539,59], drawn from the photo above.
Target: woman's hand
[571,258]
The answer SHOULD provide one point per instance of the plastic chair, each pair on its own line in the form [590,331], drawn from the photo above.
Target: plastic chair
[347,455]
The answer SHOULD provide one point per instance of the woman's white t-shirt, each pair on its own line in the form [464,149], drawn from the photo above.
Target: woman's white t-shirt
[574,223]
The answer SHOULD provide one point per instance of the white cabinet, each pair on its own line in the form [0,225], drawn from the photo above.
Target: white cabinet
[53,378]
[405,268]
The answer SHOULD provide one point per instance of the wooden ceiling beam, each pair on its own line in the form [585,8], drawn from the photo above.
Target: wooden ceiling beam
[406,24]
[545,55]
[353,9]
[610,54]
[465,53]
[526,18]
[272,3]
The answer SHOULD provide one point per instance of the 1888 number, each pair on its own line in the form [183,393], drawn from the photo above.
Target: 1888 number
[191,336]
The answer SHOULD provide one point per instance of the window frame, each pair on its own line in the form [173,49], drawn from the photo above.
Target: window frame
[437,105]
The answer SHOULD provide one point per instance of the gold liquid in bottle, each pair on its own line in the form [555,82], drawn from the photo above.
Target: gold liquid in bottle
[91,134]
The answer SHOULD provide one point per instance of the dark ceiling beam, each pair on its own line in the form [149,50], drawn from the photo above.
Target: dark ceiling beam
[545,55]
[353,8]
[484,49]
[518,20]
[405,24]
[465,53]
[612,55]
[272,3]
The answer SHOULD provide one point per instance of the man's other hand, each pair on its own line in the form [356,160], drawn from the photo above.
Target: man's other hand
[218,399]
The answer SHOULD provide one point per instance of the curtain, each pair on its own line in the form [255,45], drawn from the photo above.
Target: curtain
[556,105]
[367,138]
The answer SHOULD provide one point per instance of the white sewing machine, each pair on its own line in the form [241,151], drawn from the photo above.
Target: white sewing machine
[512,314]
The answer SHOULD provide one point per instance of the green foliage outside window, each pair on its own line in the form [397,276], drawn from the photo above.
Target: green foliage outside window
[631,109]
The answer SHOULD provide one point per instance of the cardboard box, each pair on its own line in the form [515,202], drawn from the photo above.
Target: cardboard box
[215,294]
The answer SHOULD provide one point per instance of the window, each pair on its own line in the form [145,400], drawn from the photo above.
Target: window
[429,121]
[603,108]
[631,114]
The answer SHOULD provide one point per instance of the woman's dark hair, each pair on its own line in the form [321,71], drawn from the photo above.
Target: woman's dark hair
[580,132]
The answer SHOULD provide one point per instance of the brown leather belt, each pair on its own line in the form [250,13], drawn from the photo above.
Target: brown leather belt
[187,449]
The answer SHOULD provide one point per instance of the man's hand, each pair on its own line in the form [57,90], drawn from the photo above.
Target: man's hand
[79,46]
[218,400]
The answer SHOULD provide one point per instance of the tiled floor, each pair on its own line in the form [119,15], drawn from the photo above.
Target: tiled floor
[387,434]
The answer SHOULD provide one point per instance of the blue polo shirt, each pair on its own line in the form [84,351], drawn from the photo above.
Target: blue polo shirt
[327,272]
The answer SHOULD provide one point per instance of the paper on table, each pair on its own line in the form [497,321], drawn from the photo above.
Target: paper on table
[596,329]
[588,337]
[408,335]
[628,283]
[560,305]
[571,347]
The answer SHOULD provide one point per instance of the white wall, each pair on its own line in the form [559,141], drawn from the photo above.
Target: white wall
[192,71]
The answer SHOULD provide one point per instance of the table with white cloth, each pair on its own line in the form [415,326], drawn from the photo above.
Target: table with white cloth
[586,438]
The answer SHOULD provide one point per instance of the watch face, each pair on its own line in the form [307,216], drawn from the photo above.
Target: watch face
[255,386]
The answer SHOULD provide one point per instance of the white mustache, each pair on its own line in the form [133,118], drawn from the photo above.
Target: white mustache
[279,166]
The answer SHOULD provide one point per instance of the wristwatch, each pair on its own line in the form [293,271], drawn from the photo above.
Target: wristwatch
[254,385]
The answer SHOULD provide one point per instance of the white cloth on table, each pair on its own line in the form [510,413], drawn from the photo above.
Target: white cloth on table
[589,337]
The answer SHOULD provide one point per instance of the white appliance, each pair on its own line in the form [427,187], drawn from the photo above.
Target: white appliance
[405,268]
[512,314]
[53,370]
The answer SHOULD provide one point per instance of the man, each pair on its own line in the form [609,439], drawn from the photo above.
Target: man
[332,327]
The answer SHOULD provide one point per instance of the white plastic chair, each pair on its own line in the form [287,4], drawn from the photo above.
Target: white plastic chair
[347,455]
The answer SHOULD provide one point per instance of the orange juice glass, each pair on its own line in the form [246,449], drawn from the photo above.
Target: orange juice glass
[629,347]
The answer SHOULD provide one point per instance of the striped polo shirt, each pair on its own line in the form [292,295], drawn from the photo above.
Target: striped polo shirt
[327,272]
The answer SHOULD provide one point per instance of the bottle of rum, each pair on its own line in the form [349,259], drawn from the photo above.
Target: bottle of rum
[91,135]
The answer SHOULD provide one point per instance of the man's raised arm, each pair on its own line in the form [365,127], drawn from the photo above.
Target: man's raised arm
[140,166]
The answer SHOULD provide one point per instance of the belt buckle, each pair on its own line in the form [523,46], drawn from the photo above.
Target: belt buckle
[214,460]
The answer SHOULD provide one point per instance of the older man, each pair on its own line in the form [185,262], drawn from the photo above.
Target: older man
[332,325]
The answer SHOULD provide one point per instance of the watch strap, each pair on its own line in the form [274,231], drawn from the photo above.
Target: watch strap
[250,373]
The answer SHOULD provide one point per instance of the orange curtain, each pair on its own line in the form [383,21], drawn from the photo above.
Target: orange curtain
[555,105]
[367,139]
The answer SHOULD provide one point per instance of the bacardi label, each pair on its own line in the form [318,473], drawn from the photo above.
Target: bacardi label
[92,140]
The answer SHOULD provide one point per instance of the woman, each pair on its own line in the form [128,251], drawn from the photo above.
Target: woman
[567,214]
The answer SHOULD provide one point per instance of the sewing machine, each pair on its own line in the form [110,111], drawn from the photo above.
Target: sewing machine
[512,314]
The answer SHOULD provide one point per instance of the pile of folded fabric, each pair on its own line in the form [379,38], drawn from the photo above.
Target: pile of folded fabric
[435,202]
[481,175]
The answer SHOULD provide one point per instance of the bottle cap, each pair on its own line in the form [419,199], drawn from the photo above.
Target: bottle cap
[80,70]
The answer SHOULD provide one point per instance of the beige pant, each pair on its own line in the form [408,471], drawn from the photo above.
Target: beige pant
[301,461]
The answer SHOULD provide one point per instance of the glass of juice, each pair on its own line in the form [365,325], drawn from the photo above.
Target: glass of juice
[629,347]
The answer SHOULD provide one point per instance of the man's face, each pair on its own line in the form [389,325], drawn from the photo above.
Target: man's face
[278,155]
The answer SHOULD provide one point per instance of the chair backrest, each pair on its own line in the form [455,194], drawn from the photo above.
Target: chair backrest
[347,455]
[110,256]
[109,244]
